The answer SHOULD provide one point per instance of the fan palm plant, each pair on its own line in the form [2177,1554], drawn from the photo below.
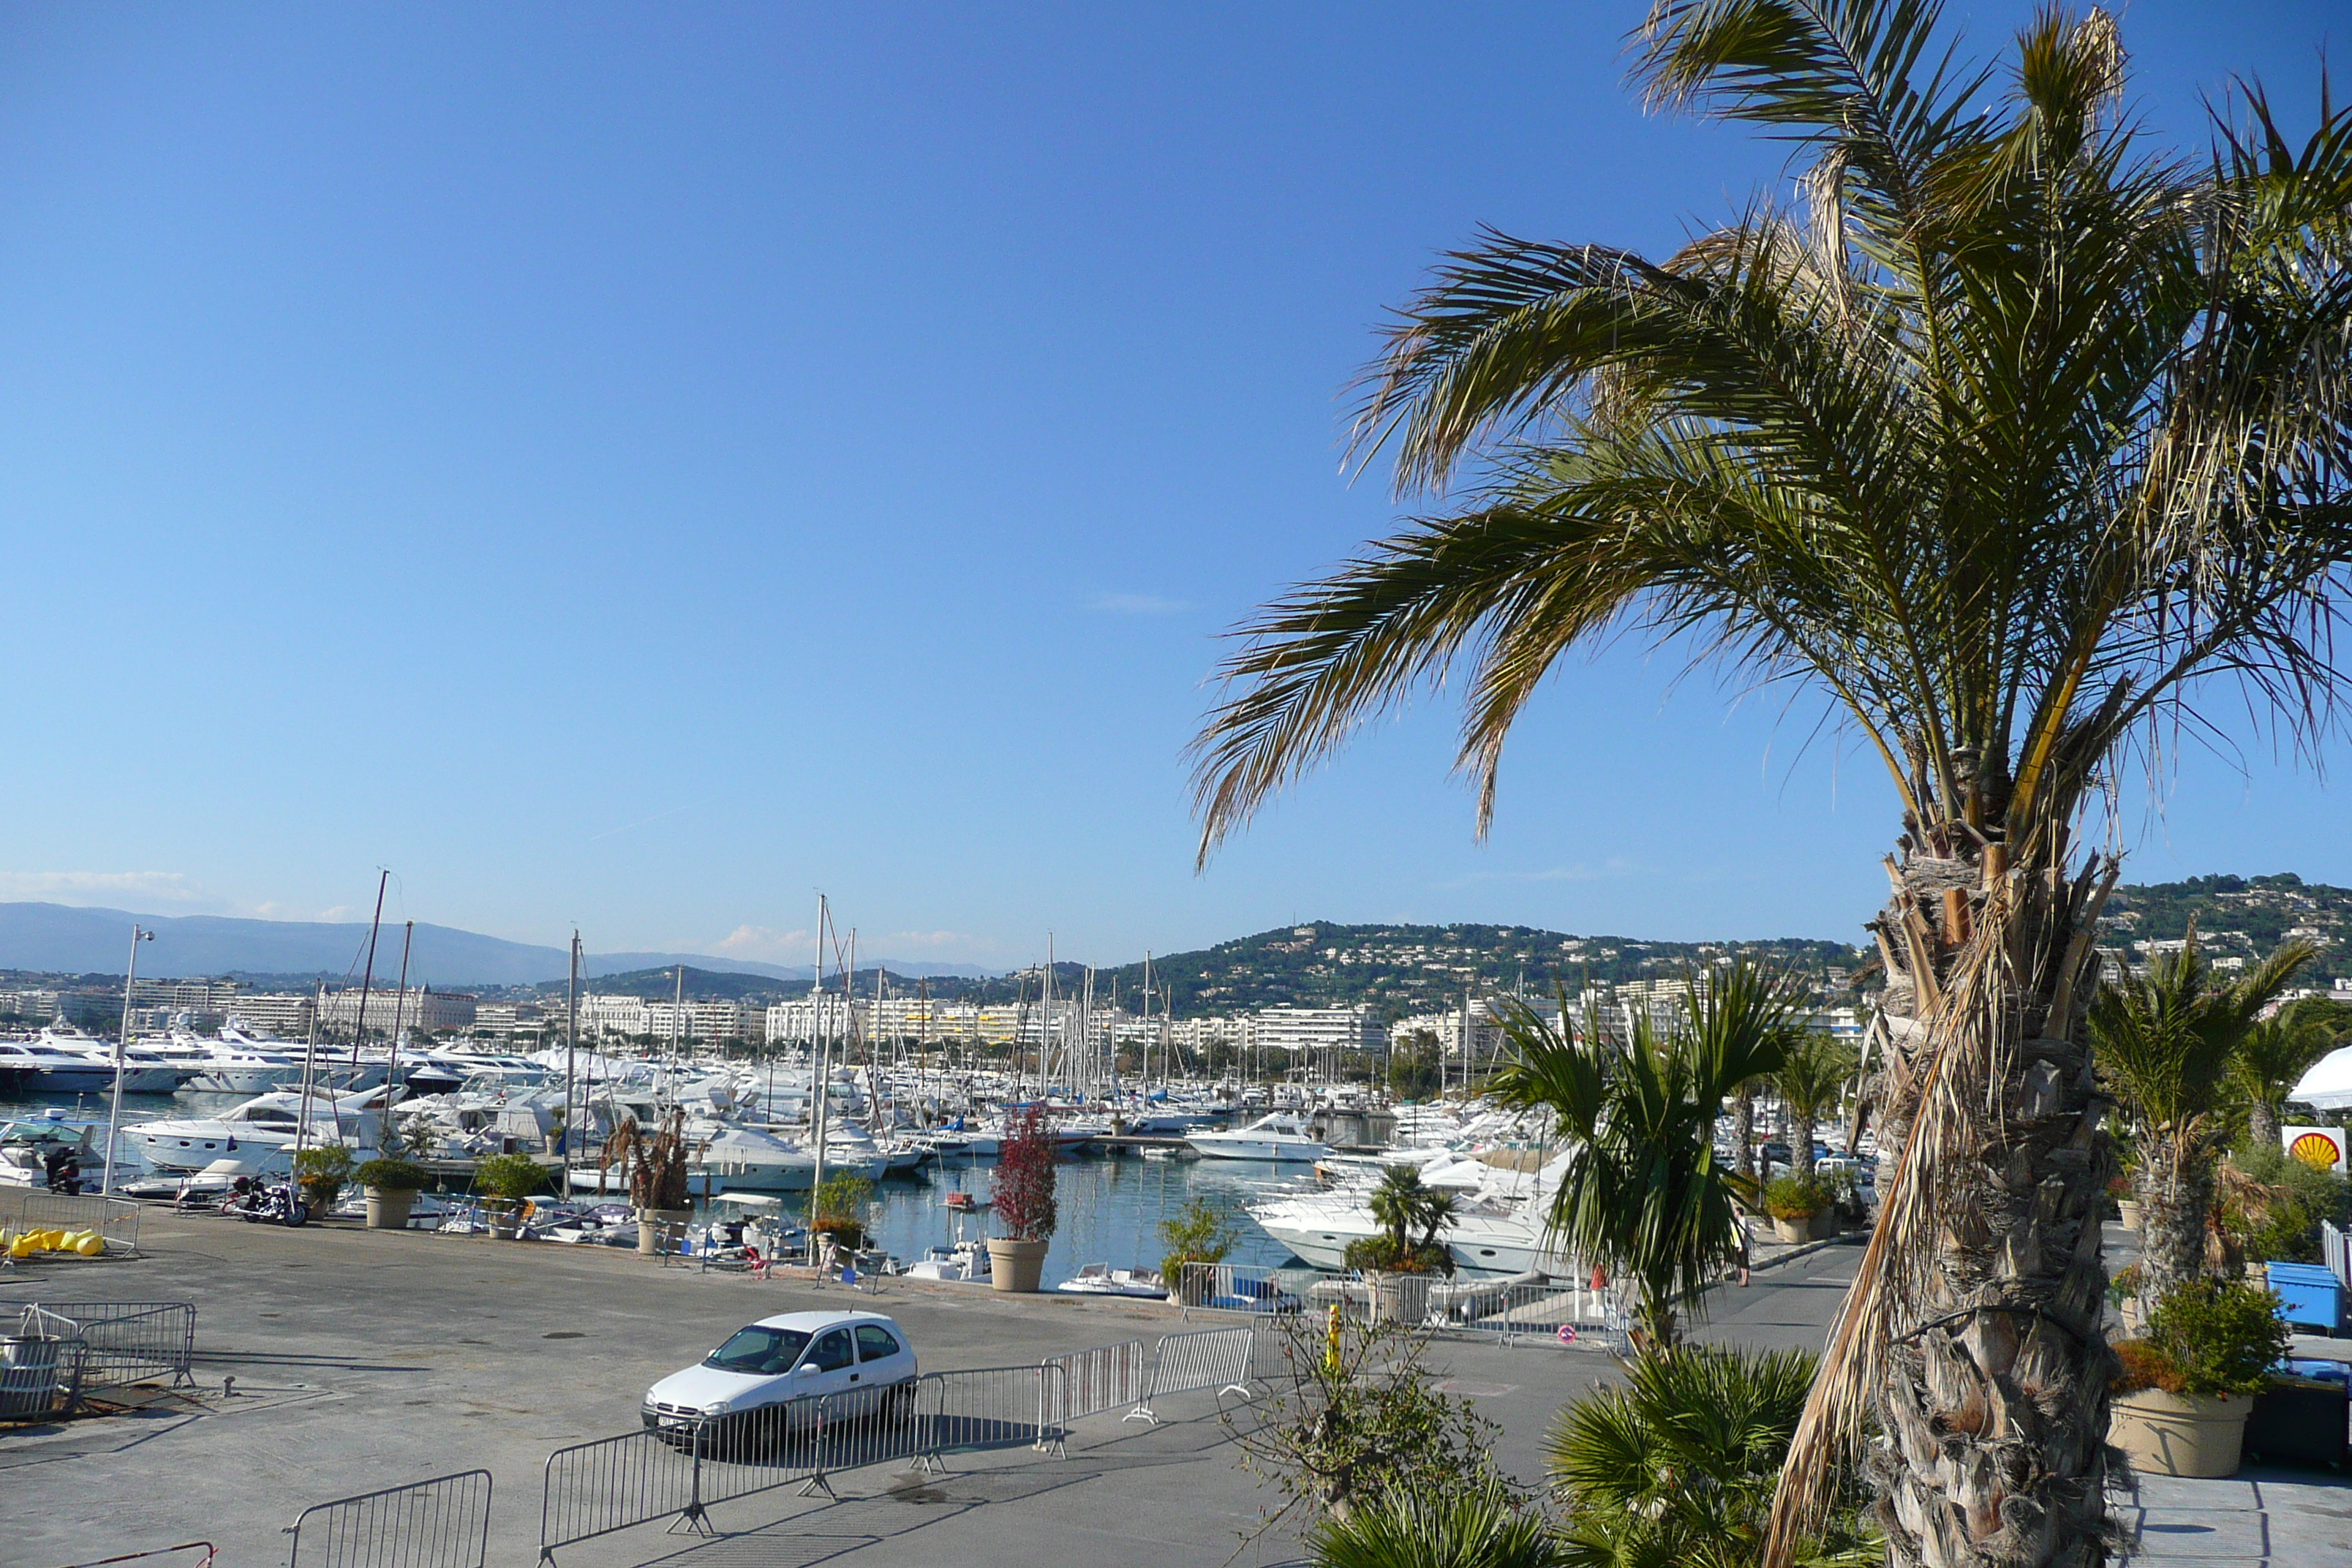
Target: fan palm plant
[1677,1466]
[2170,1044]
[1811,1084]
[2020,448]
[2275,1056]
[1643,1194]
[1474,1527]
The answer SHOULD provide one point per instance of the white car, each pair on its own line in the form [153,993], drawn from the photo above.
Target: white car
[776,1361]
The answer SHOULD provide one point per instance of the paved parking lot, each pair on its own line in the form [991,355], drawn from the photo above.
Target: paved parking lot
[364,1359]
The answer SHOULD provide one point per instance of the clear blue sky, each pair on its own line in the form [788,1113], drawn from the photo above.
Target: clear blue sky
[638,465]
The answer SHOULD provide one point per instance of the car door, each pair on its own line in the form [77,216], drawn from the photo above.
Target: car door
[883,1357]
[828,1366]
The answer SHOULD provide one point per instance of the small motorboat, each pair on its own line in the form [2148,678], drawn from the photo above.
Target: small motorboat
[963,1201]
[1102,1280]
[965,1261]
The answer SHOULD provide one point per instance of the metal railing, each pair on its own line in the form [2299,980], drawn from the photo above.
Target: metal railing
[125,1342]
[679,1471]
[444,1522]
[1247,1288]
[1222,1359]
[1100,1378]
[207,1547]
[594,1488]
[1559,1312]
[2335,1248]
[33,1208]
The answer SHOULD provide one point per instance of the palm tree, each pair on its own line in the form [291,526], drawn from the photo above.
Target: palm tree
[1397,1206]
[2169,1043]
[1810,1084]
[2019,448]
[2275,1056]
[1677,1466]
[1643,1194]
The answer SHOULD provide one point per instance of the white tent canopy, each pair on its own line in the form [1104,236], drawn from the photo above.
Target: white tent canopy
[2328,1085]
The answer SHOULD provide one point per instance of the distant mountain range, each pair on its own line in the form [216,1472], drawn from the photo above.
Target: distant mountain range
[63,939]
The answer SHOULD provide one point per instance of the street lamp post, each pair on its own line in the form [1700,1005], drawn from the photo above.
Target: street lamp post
[122,1044]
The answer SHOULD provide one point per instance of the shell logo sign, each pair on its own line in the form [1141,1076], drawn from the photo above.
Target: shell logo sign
[2321,1148]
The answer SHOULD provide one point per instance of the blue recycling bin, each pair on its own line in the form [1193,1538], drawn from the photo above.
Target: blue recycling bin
[2309,1296]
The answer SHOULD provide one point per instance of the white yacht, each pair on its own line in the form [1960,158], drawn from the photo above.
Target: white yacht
[36,1067]
[1279,1136]
[266,1123]
[145,1071]
[1500,1229]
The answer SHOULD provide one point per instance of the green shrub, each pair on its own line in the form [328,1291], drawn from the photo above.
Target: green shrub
[1796,1197]
[1200,1232]
[1382,1253]
[2276,1218]
[2215,1336]
[510,1176]
[395,1175]
[320,1173]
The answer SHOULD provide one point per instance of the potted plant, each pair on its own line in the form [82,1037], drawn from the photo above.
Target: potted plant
[391,1187]
[1401,1269]
[1023,1204]
[654,1166]
[2127,1206]
[1795,1203]
[1199,1234]
[2182,1394]
[837,1209]
[320,1172]
[507,1179]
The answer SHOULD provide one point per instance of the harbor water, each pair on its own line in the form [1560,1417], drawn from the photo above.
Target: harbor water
[1110,1206]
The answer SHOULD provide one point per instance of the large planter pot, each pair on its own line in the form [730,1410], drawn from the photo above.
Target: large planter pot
[2127,1214]
[1015,1265]
[1402,1298]
[1793,1230]
[659,1230]
[1825,1225]
[2179,1434]
[387,1207]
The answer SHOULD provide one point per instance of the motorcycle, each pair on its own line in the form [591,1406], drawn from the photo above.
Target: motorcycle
[259,1201]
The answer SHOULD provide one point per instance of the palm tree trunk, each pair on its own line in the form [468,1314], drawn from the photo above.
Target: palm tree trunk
[2262,1123]
[1801,1145]
[1990,1380]
[1743,1131]
[2175,1189]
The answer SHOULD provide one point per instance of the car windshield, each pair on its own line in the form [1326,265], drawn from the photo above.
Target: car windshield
[759,1350]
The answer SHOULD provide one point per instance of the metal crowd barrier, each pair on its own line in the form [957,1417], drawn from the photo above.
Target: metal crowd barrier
[1222,1359]
[594,1488]
[1103,1378]
[441,1523]
[640,1478]
[126,1342]
[1563,1311]
[34,1209]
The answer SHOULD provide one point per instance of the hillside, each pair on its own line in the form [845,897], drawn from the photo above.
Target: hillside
[2236,917]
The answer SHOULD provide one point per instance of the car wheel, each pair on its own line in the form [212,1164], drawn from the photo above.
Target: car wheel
[899,1405]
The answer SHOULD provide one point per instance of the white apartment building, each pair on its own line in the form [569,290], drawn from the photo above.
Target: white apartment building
[509,1018]
[1306,1029]
[285,1014]
[704,1020]
[414,1009]
[603,1014]
[39,1005]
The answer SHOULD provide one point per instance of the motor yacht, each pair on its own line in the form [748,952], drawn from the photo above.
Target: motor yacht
[267,1121]
[145,1071]
[1278,1136]
[34,1067]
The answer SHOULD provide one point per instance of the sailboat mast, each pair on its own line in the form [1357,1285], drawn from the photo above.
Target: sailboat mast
[367,980]
[817,1052]
[572,1067]
[392,1067]
[678,1016]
